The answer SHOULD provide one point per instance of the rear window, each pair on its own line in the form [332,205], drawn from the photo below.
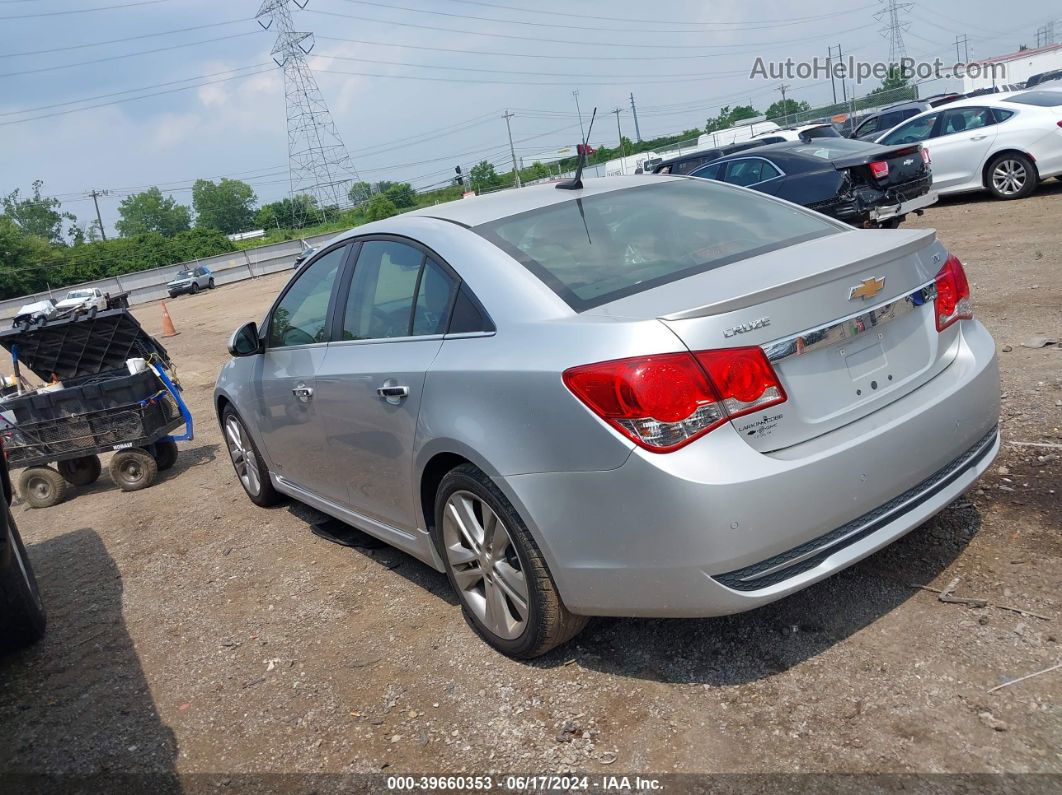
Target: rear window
[601,248]
[1043,99]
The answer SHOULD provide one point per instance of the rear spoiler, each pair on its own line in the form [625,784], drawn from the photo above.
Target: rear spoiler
[884,153]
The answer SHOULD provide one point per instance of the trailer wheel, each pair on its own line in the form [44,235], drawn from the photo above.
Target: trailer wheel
[165,451]
[41,487]
[81,471]
[133,469]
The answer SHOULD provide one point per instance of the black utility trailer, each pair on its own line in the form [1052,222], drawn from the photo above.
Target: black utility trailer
[100,406]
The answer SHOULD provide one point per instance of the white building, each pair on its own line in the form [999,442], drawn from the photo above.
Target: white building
[1017,67]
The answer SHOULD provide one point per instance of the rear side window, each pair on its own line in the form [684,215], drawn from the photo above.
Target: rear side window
[603,247]
[467,316]
[1001,115]
[959,120]
[871,125]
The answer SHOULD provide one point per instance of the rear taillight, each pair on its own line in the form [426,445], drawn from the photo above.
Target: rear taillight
[953,294]
[879,169]
[665,402]
[925,156]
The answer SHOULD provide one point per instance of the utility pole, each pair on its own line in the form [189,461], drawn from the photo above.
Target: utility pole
[619,132]
[634,111]
[516,171]
[782,87]
[844,89]
[582,135]
[964,42]
[95,194]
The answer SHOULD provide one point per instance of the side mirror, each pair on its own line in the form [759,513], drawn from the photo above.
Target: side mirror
[244,340]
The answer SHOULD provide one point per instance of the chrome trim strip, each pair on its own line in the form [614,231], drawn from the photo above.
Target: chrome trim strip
[849,327]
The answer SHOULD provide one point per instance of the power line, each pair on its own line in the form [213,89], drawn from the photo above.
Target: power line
[638,30]
[125,55]
[133,99]
[131,90]
[84,10]
[581,75]
[569,41]
[118,41]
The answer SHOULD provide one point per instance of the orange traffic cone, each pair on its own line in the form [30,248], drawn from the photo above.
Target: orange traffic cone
[167,323]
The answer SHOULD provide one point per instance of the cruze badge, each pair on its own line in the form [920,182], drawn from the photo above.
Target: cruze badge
[868,288]
[741,328]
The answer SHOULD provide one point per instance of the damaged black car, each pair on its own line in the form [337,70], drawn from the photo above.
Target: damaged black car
[863,184]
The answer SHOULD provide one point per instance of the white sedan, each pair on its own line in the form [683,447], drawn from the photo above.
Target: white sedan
[1003,143]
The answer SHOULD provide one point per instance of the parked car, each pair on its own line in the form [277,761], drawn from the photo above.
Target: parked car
[684,164]
[862,184]
[307,252]
[803,132]
[35,314]
[1004,144]
[83,300]
[190,280]
[874,124]
[1043,77]
[641,396]
[22,616]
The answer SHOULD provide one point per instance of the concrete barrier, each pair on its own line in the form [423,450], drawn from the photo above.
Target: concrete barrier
[150,285]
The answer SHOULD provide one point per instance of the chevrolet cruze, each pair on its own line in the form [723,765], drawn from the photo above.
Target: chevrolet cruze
[648,396]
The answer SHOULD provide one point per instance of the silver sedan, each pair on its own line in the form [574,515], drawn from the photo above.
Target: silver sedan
[651,396]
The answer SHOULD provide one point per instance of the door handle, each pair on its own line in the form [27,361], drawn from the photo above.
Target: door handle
[393,391]
[978,137]
[302,392]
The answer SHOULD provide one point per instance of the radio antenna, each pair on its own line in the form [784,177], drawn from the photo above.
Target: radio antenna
[576,182]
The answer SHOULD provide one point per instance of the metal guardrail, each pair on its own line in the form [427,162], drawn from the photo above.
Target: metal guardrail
[150,285]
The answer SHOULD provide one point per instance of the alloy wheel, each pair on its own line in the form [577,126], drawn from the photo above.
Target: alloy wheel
[485,565]
[243,458]
[1009,177]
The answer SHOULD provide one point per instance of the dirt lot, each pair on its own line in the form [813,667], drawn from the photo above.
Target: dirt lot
[192,632]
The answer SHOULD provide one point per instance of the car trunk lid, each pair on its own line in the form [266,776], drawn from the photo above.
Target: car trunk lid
[885,168]
[846,320]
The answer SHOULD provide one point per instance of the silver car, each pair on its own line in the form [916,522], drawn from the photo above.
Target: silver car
[654,396]
[190,280]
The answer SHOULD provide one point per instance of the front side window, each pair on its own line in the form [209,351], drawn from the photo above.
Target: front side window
[750,171]
[912,132]
[301,316]
[396,292]
[709,172]
[609,245]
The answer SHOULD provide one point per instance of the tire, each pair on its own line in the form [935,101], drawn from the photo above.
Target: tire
[22,616]
[173,295]
[165,453]
[211,285]
[247,461]
[1011,176]
[194,288]
[546,622]
[92,312]
[133,469]
[41,487]
[80,471]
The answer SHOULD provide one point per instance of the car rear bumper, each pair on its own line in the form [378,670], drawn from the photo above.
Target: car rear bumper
[719,528]
[885,212]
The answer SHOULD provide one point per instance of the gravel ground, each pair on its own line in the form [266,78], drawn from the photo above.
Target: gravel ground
[192,632]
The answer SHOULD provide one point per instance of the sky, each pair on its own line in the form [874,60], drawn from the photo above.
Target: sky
[120,95]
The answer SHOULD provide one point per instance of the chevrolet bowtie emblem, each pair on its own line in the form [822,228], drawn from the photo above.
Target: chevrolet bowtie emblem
[868,288]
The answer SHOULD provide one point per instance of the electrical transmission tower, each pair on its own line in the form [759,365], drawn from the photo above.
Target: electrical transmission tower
[892,28]
[318,163]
